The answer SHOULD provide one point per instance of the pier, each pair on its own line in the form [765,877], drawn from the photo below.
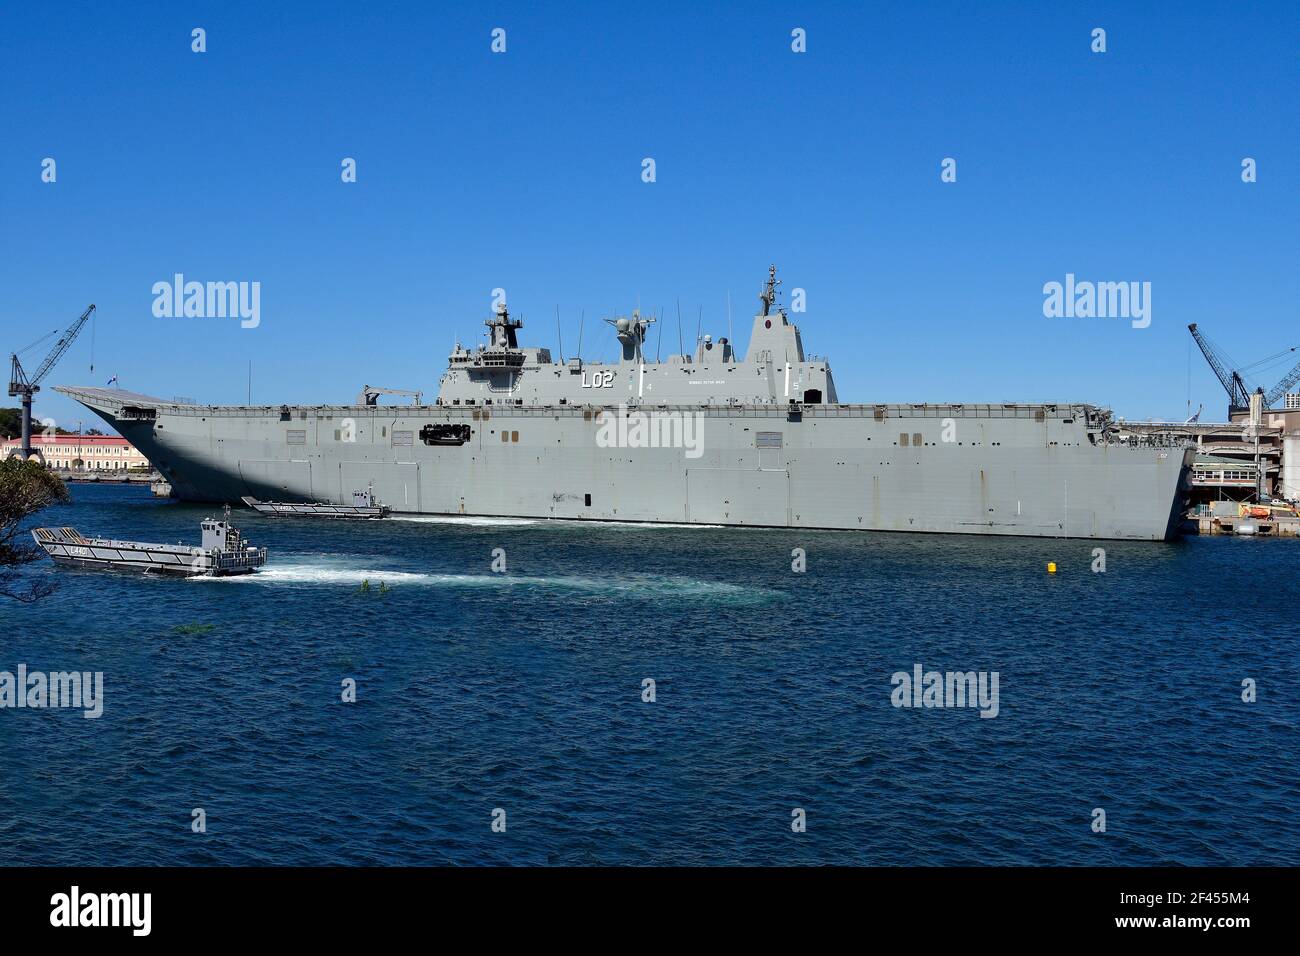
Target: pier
[1240,467]
[108,478]
[1263,527]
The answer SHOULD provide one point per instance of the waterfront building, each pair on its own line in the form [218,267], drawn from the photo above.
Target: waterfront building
[81,452]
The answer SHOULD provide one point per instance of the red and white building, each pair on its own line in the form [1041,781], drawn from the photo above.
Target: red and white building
[81,452]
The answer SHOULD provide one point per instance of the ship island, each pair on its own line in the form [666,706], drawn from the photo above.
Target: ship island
[757,440]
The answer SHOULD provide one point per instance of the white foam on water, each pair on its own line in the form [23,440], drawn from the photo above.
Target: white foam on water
[488,521]
[463,520]
[640,525]
[641,585]
[321,574]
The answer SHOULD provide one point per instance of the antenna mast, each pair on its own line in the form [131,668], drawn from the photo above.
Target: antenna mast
[559,333]
[768,295]
[681,346]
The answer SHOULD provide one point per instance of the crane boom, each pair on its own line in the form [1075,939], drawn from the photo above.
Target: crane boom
[1282,387]
[370,394]
[1238,396]
[60,347]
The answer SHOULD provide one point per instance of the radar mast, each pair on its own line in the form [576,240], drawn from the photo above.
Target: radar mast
[768,295]
[503,329]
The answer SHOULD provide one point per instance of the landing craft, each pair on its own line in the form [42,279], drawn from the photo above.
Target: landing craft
[514,433]
[223,552]
[363,507]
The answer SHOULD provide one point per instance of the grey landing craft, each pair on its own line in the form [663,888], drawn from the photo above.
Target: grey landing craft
[223,552]
[364,507]
[714,437]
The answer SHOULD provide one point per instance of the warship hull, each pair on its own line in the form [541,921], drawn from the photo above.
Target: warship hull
[1034,470]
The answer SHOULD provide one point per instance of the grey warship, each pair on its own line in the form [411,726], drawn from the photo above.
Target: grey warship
[711,438]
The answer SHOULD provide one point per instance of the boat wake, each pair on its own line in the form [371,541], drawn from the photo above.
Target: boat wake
[486,521]
[622,586]
[641,525]
[319,574]
[464,520]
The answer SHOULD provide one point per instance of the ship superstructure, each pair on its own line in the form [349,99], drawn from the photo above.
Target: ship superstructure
[775,369]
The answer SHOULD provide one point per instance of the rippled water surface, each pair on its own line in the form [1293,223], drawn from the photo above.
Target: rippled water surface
[522,691]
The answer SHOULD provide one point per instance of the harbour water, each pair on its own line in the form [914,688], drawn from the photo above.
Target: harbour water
[523,691]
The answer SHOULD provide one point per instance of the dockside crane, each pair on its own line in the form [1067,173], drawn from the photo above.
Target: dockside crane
[1233,380]
[21,384]
[1238,394]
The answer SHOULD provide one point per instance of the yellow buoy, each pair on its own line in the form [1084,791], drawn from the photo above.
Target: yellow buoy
[1051,567]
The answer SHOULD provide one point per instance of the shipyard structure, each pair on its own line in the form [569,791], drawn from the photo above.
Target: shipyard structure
[715,437]
[1246,473]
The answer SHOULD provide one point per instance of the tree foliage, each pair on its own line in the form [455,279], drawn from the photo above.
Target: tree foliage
[11,422]
[26,487]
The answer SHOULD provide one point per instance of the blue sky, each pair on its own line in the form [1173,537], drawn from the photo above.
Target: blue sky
[522,170]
